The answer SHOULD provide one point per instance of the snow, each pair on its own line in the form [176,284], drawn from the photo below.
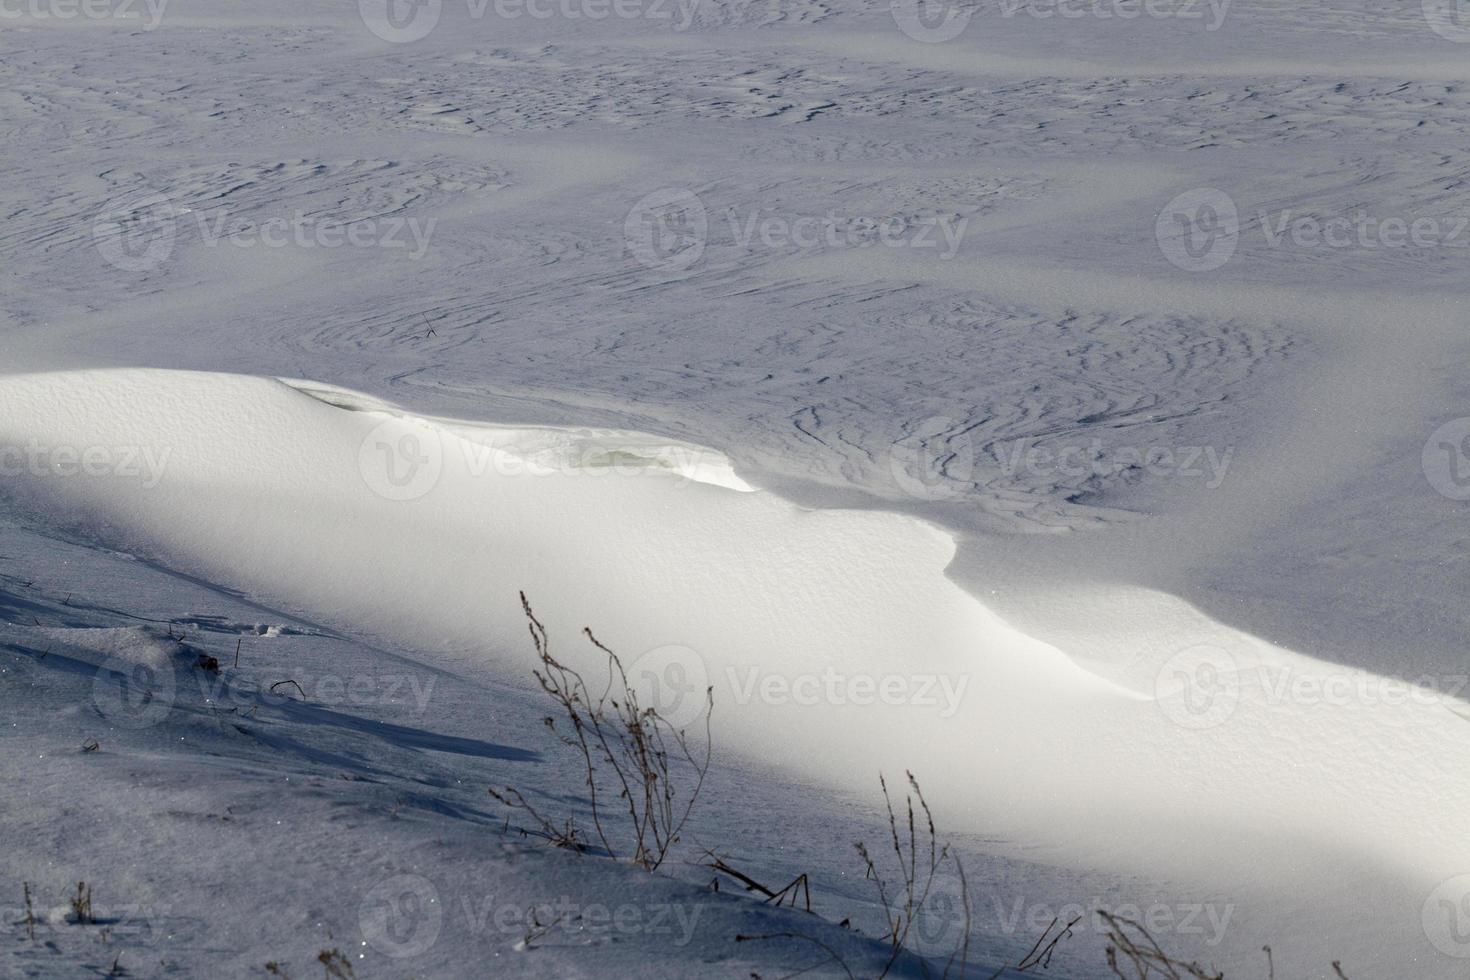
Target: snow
[397,348]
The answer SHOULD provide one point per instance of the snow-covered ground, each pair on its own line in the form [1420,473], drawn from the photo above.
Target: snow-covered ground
[1064,401]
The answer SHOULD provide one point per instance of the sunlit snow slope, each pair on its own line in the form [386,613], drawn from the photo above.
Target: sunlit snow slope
[426,530]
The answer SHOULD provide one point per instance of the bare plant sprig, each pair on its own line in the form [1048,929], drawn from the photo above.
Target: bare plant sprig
[1046,944]
[798,888]
[81,905]
[30,913]
[629,753]
[919,864]
[563,835]
[1130,945]
[336,965]
[536,929]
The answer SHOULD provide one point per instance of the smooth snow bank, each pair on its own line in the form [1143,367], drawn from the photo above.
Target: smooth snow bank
[835,644]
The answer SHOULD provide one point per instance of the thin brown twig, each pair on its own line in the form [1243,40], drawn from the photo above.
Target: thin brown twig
[629,753]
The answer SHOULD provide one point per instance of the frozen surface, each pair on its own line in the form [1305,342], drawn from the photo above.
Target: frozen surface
[366,336]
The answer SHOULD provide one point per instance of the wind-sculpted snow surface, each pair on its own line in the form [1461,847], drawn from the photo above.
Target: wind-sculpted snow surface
[833,641]
[1093,371]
